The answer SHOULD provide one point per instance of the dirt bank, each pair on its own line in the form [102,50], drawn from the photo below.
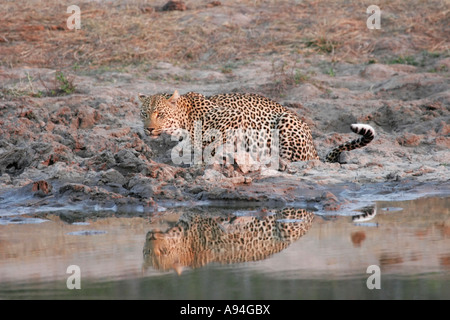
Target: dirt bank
[72,137]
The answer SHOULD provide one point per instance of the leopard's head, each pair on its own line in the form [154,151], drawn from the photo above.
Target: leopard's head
[167,250]
[159,113]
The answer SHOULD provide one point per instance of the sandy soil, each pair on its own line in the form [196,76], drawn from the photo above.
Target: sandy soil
[85,148]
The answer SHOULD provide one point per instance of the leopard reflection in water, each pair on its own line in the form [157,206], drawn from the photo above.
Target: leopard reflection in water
[198,239]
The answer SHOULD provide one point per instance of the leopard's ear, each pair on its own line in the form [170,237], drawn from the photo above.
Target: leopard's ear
[142,97]
[173,99]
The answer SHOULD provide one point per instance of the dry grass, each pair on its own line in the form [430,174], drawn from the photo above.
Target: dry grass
[34,33]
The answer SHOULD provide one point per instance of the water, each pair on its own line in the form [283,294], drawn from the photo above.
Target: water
[327,259]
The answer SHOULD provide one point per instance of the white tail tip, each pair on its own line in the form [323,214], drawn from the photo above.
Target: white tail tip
[363,129]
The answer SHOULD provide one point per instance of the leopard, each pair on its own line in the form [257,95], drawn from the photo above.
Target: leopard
[226,112]
[198,239]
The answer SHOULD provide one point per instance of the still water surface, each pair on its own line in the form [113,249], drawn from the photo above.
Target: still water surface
[305,255]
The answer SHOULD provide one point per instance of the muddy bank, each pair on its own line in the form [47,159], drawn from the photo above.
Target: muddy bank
[71,137]
[88,149]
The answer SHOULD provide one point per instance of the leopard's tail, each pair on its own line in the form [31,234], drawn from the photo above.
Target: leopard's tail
[367,132]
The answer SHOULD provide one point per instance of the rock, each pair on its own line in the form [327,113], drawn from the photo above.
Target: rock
[102,161]
[212,175]
[409,140]
[328,196]
[195,189]
[66,172]
[80,192]
[239,180]
[174,5]
[15,161]
[85,118]
[213,4]
[127,160]
[377,71]
[42,188]
[74,187]
[329,201]
[423,170]
[112,176]
[142,186]
[443,142]
[5,179]
[443,128]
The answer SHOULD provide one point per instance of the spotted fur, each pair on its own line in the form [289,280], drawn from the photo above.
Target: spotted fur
[162,112]
[197,240]
[367,133]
